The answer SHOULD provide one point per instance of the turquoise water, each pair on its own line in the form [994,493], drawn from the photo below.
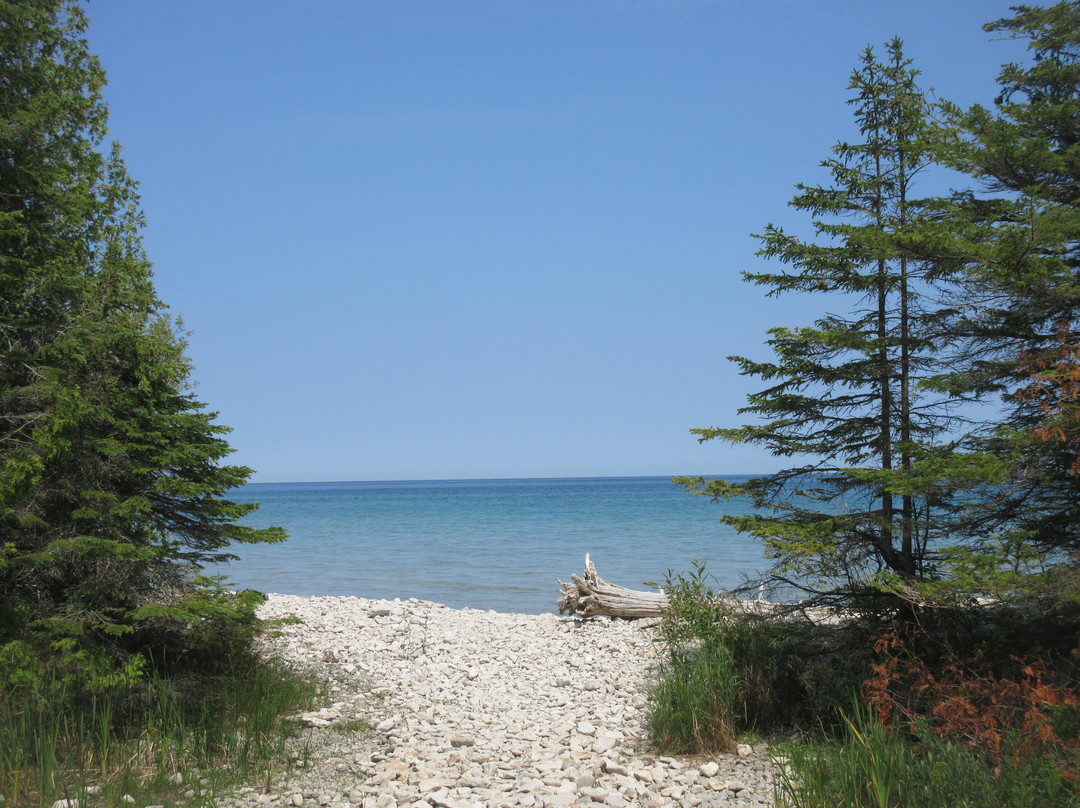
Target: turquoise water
[484,544]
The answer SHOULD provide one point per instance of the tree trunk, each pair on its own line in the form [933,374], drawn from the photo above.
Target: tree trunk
[589,595]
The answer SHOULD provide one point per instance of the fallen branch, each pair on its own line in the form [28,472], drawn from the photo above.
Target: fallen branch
[589,595]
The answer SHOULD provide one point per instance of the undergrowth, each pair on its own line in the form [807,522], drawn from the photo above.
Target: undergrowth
[201,724]
[976,710]
[725,672]
[878,765]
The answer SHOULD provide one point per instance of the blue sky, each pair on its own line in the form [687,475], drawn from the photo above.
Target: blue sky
[421,239]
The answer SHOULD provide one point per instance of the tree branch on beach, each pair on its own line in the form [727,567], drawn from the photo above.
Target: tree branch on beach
[589,595]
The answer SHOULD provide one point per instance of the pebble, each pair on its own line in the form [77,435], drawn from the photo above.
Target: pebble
[477,709]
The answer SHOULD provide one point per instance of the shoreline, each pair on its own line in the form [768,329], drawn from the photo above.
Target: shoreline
[493,544]
[472,709]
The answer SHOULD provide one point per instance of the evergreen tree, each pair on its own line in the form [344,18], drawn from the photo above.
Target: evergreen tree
[842,394]
[1019,238]
[111,487]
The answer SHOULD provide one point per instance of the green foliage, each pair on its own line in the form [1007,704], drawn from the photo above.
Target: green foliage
[226,729]
[974,708]
[874,766]
[935,422]
[843,393]
[902,491]
[112,485]
[693,700]
[727,670]
[1019,292]
[693,613]
[866,769]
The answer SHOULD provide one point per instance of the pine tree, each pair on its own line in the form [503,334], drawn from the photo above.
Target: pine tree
[111,488]
[1019,236]
[842,395]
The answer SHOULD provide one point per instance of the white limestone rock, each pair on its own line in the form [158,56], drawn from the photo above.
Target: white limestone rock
[475,708]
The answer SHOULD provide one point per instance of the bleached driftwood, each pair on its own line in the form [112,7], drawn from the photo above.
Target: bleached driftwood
[589,595]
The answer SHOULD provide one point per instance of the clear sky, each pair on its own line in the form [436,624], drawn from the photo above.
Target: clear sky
[420,239]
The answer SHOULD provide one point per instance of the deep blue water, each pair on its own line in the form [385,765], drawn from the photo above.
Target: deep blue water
[484,544]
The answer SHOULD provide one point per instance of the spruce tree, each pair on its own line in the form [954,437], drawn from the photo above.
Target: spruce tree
[1018,236]
[842,396]
[112,490]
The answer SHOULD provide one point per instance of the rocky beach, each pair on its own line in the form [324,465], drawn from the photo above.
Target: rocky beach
[430,706]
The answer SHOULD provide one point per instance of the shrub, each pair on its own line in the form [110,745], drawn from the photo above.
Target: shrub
[724,666]
[1010,718]
[213,704]
[878,765]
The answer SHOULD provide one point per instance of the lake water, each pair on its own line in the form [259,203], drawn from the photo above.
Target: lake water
[484,544]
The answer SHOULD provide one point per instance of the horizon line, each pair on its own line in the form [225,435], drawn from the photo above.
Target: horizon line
[500,479]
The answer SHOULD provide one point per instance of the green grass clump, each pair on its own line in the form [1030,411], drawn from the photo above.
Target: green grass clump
[223,731]
[974,717]
[693,701]
[725,672]
[875,766]
[213,711]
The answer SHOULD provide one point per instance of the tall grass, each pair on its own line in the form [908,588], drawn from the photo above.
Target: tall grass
[968,738]
[694,701]
[874,766]
[223,729]
[725,672]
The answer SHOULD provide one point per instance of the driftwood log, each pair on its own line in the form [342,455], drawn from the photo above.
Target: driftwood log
[589,595]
